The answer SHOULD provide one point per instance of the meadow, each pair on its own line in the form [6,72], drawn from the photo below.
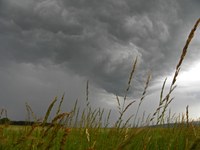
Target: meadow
[90,128]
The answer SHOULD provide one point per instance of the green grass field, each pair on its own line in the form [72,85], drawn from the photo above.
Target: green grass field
[90,129]
[180,138]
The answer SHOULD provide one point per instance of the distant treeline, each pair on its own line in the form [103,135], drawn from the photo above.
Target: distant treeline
[24,123]
[21,123]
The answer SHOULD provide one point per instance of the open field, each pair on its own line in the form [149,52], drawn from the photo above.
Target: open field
[181,137]
[89,129]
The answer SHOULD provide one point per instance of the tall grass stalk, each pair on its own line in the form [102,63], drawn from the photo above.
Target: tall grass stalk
[60,104]
[142,98]
[30,113]
[122,109]
[48,111]
[164,103]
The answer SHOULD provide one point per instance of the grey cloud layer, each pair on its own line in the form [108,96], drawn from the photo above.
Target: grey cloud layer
[95,39]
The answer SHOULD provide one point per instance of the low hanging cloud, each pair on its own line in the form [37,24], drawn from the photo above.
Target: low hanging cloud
[97,40]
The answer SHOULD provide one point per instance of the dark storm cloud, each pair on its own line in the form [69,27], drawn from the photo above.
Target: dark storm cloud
[95,39]
[37,85]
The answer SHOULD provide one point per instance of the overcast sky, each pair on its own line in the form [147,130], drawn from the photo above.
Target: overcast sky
[48,47]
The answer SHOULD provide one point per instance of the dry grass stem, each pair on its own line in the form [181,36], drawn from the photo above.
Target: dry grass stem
[143,96]
[187,116]
[48,111]
[60,104]
[129,81]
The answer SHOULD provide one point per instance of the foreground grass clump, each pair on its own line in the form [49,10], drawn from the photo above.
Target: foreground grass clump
[90,129]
